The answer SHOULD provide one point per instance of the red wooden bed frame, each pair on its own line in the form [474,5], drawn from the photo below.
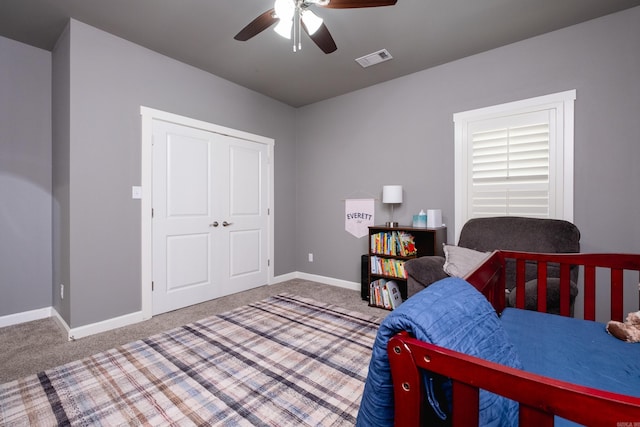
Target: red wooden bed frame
[539,397]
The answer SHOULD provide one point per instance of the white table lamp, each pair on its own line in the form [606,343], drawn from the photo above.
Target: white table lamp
[392,194]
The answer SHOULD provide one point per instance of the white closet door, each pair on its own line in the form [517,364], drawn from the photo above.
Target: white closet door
[246,212]
[210,219]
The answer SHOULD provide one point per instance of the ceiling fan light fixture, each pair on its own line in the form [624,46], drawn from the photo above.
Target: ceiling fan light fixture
[283,28]
[284,9]
[311,21]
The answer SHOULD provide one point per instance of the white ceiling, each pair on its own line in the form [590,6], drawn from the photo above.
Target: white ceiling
[419,34]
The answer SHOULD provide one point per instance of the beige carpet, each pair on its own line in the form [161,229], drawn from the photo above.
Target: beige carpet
[33,347]
[283,361]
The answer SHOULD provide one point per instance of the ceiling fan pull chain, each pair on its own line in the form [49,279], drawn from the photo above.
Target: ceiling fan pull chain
[293,29]
[296,31]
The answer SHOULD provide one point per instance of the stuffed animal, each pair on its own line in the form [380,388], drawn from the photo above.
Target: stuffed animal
[629,330]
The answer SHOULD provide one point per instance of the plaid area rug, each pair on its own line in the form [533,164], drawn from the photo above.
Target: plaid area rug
[283,361]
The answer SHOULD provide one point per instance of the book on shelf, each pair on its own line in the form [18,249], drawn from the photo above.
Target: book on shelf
[388,267]
[394,243]
[384,293]
[394,294]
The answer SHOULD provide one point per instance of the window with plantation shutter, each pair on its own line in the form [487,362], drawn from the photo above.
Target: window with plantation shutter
[509,163]
[515,159]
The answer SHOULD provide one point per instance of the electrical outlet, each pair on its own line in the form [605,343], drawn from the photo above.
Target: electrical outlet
[61,290]
[310,257]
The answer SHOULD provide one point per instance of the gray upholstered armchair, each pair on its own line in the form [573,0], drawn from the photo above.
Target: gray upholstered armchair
[508,233]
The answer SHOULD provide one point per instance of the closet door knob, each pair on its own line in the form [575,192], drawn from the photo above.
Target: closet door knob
[226,224]
[213,224]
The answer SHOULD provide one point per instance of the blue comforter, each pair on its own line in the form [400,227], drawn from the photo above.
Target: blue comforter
[573,350]
[453,314]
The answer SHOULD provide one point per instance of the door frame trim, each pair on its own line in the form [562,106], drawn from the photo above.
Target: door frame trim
[148,116]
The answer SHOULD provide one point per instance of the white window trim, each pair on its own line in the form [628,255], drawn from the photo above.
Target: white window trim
[563,104]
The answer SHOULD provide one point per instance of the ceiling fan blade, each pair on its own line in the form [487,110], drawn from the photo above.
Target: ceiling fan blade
[322,38]
[350,4]
[258,25]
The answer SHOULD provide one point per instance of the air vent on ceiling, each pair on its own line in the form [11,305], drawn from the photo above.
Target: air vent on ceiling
[374,58]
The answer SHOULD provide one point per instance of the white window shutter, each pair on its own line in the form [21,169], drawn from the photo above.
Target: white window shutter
[509,166]
[515,159]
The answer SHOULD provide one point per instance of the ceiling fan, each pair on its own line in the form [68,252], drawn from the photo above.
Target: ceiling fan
[292,15]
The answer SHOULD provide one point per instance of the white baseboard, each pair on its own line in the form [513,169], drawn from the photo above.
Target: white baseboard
[105,325]
[328,281]
[96,328]
[131,318]
[284,278]
[60,321]
[25,316]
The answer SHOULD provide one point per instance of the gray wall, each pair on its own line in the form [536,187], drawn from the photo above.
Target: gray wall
[61,120]
[110,79]
[401,132]
[25,177]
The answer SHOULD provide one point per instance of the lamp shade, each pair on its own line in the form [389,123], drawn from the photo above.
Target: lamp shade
[392,194]
[311,21]
[285,10]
